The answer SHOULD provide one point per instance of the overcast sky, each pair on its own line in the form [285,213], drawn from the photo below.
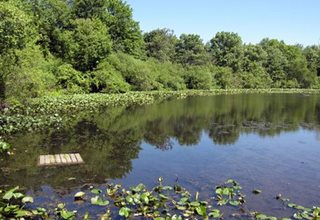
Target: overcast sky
[294,21]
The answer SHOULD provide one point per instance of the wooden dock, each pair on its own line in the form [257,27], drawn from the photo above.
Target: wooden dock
[60,159]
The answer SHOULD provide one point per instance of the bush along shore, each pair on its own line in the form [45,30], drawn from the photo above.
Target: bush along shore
[54,111]
[160,203]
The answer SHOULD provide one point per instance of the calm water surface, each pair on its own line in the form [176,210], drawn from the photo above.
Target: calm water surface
[270,142]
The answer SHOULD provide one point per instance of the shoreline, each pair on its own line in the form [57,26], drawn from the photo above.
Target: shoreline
[53,111]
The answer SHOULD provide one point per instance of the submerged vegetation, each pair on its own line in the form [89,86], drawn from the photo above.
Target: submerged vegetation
[161,203]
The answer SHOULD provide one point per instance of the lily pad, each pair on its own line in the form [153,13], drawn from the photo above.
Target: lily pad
[98,201]
[79,195]
[27,199]
[124,211]
[96,191]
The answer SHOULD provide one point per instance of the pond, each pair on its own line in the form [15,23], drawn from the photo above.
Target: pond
[269,142]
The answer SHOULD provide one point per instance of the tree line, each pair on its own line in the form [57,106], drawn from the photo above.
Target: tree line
[79,46]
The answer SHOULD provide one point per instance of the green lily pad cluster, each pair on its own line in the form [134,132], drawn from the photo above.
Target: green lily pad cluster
[230,193]
[261,216]
[160,203]
[13,206]
[302,212]
[63,213]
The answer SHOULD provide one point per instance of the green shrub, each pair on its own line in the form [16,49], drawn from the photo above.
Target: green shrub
[135,72]
[198,77]
[256,78]
[169,75]
[32,73]
[71,80]
[292,83]
[107,79]
[222,77]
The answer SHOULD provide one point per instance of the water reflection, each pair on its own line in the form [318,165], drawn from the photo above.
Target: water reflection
[111,140]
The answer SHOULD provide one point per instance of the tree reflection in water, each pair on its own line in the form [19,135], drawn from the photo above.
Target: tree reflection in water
[111,140]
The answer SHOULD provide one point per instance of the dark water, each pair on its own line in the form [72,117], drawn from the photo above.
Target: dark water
[269,142]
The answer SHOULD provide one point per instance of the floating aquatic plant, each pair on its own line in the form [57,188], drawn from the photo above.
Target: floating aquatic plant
[160,203]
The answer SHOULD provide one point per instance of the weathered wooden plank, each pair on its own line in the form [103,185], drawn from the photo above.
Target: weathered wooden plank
[52,160]
[47,159]
[63,159]
[79,158]
[41,160]
[67,156]
[59,159]
[73,158]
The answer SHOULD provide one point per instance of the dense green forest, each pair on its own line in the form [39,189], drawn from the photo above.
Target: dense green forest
[51,47]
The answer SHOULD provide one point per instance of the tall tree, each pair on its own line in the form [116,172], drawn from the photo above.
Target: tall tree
[160,44]
[190,50]
[89,8]
[253,54]
[226,49]
[124,31]
[286,64]
[16,31]
[50,17]
[117,16]
[312,54]
[298,66]
[277,62]
[86,44]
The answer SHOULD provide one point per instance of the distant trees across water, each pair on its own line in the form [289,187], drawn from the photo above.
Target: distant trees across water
[60,46]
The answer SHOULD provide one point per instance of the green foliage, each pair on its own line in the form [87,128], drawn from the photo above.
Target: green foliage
[96,46]
[86,44]
[63,213]
[286,65]
[50,18]
[161,202]
[16,32]
[89,9]
[135,72]
[169,75]
[229,193]
[223,77]
[253,55]
[312,54]
[70,80]
[33,73]
[276,61]
[198,77]
[124,31]
[107,79]
[297,68]
[226,49]
[255,77]
[12,206]
[190,50]
[160,44]
[15,28]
